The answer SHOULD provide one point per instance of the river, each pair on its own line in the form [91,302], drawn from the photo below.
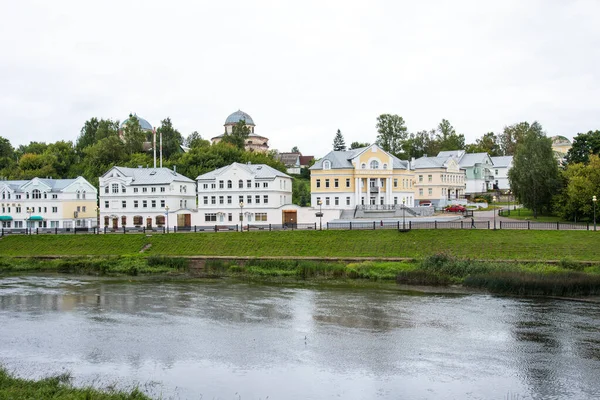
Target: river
[236,340]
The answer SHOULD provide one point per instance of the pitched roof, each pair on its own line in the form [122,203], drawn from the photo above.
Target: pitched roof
[289,159]
[465,159]
[151,176]
[305,160]
[260,171]
[55,185]
[343,159]
[502,161]
[429,162]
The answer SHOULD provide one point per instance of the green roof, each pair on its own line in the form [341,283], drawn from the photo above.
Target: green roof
[36,218]
[5,218]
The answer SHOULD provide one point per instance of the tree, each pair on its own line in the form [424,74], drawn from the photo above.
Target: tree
[534,177]
[94,130]
[100,157]
[582,181]
[420,144]
[447,137]
[358,145]
[62,158]
[391,133]
[513,135]
[488,143]
[171,138]
[133,135]
[195,140]
[295,149]
[7,153]
[584,144]
[239,134]
[32,148]
[338,142]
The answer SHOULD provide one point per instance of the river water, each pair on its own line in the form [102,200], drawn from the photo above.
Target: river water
[234,340]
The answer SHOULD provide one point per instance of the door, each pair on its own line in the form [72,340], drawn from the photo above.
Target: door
[149,223]
[115,222]
[290,218]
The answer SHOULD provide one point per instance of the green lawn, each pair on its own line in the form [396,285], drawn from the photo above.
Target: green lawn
[527,214]
[475,244]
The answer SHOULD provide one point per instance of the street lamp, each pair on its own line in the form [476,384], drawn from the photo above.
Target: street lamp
[167,210]
[494,210]
[403,214]
[29,211]
[320,203]
[97,219]
[241,216]
[509,193]
[594,201]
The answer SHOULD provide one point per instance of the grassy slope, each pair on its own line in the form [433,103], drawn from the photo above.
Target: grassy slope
[508,245]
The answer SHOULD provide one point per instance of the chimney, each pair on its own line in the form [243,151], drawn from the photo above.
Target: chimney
[174,168]
[154,145]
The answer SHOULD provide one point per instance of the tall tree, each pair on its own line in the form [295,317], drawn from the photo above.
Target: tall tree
[358,145]
[420,144]
[133,135]
[584,144]
[295,149]
[514,134]
[172,139]
[32,148]
[391,133]
[534,177]
[338,142]
[239,134]
[447,137]
[195,140]
[62,157]
[7,154]
[94,130]
[488,143]
[582,182]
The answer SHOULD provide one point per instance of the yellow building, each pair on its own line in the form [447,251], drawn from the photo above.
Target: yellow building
[368,176]
[438,180]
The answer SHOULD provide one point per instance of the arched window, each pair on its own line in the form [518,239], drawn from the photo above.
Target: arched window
[326,164]
[384,166]
[229,185]
[123,220]
[374,164]
[36,194]
[241,184]
[83,196]
[78,195]
[160,220]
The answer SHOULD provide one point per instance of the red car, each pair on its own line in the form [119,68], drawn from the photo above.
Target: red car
[456,208]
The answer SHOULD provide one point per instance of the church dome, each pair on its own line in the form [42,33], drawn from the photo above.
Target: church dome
[558,139]
[145,125]
[238,116]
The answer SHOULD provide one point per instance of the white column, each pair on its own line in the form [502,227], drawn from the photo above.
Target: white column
[356,191]
[388,191]
[368,199]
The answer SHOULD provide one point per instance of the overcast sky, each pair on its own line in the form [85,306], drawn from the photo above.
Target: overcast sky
[301,69]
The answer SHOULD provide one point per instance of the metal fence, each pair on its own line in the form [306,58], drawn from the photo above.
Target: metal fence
[341,225]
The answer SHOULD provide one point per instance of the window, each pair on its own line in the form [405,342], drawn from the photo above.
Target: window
[374,164]
[162,204]
[162,189]
[221,184]
[205,199]
[221,199]
[229,199]
[395,182]
[363,166]
[18,210]
[265,185]
[347,182]
[106,204]
[135,204]
[430,191]
[19,196]
[205,186]
[124,204]
[240,199]
[326,201]
[240,184]
[336,201]
[54,209]
[420,191]
[229,217]
[336,183]
[229,185]
[257,199]
[153,203]
[384,166]
[153,190]
[145,203]
[135,190]
[249,184]
[496,172]
[123,221]
[318,200]
[160,220]
[265,199]
[249,199]
[326,164]
[326,183]
[260,217]
[420,178]
[144,190]
[213,199]
[210,217]
[36,194]
[106,189]
[347,201]
[137,220]
[430,178]
[115,188]
[257,185]
[318,183]
[212,186]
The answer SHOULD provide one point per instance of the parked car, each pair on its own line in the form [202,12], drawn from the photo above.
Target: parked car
[425,205]
[456,208]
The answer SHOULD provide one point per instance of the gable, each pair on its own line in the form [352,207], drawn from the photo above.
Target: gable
[373,153]
[35,183]
[81,184]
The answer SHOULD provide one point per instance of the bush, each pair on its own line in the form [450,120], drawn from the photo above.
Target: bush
[176,263]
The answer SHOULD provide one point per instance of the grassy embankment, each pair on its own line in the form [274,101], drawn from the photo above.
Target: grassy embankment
[527,214]
[470,258]
[57,387]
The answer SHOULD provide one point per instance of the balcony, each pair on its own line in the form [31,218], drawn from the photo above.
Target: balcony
[373,189]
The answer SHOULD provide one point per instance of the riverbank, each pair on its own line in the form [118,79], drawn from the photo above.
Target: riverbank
[417,244]
[58,387]
[565,278]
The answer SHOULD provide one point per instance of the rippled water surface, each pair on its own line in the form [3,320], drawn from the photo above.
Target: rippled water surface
[231,340]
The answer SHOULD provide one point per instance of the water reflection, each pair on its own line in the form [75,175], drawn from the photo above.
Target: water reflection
[205,338]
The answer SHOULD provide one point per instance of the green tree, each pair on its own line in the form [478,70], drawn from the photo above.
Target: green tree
[582,182]
[534,177]
[34,165]
[31,148]
[358,145]
[239,134]
[295,149]
[94,130]
[420,144]
[488,143]
[584,144]
[195,140]
[133,135]
[171,138]
[100,157]
[300,192]
[514,134]
[391,133]
[338,142]
[448,138]
[7,154]
[62,158]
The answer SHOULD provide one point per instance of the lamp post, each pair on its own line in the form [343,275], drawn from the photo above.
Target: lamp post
[29,211]
[320,203]
[241,216]
[97,219]
[167,210]
[509,193]
[403,214]
[594,201]
[494,210]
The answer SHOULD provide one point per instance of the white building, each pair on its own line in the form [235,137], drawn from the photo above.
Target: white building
[48,203]
[150,197]
[478,168]
[501,167]
[251,193]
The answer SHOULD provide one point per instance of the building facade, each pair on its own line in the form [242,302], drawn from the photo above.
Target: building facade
[48,203]
[149,197]
[501,167]
[248,193]
[254,142]
[478,168]
[438,180]
[368,176]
